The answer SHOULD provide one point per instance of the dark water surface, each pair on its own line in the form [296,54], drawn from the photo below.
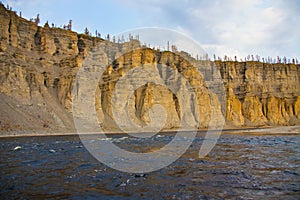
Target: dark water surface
[241,166]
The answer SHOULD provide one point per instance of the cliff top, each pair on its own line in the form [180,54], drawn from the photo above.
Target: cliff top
[67,29]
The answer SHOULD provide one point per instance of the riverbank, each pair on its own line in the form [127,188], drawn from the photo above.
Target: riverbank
[272,130]
[244,130]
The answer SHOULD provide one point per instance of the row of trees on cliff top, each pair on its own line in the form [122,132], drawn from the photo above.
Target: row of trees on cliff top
[168,47]
[258,58]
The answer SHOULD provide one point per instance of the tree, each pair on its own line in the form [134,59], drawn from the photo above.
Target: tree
[37,19]
[174,48]
[248,57]
[257,58]
[46,24]
[86,31]
[284,60]
[269,59]
[206,56]
[70,25]
[168,46]
[225,58]
[278,59]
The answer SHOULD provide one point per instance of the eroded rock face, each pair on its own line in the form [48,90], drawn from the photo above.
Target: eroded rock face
[35,74]
[269,93]
[252,111]
[39,65]
[297,107]
[178,87]
[234,108]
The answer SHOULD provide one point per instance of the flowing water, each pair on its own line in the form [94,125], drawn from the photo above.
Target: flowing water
[240,166]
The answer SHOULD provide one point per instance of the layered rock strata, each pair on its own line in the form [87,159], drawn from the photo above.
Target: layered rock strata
[39,65]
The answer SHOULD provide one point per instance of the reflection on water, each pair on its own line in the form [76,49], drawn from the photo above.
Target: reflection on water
[240,166]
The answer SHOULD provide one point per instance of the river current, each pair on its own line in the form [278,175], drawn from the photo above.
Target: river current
[240,166]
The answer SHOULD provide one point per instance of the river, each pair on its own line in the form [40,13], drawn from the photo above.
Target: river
[240,166]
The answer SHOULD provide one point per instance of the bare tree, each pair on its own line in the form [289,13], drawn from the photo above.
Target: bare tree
[174,48]
[37,19]
[86,31]
[278,59]
[46,24]
[70,25]
[284,60]
[168,46]
[248,57]
[257,58]
[137,37]
[225,57]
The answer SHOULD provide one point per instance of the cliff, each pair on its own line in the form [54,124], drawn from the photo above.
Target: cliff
[39,66]
[261,93]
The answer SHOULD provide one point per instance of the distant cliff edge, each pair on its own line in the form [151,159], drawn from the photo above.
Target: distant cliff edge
[38,66]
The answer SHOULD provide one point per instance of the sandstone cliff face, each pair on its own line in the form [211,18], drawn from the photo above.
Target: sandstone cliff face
[268,93]
[169,87]
[39,65]
[34,75]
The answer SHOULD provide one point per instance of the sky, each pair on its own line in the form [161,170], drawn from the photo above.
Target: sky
[221,27]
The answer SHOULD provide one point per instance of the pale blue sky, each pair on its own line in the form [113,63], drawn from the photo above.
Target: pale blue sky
[231,27]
